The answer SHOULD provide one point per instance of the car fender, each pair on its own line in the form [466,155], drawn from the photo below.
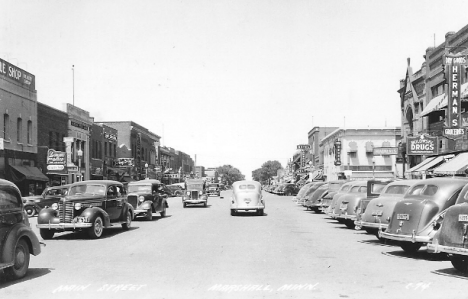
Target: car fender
[46,216]
[17,232]
[128,207]
[146,205]
[93,212]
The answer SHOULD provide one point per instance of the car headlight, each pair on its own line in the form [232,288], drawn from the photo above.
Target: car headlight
[188,192]
[55,206]
[141,198]
[78,206]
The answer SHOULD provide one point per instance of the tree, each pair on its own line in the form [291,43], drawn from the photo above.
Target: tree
[268,170]
[230,174]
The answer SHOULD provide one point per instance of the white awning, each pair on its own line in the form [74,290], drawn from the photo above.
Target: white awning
[455,166]
[434,163]
[434,105]
[416,167]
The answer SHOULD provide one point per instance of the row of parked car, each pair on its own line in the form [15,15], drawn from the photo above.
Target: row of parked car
[282,189]
[88,206]
[415,213]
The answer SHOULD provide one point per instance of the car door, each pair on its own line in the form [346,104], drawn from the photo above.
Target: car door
[158,196]
[112,203]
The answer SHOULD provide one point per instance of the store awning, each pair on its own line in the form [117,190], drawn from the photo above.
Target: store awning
[416,167]
[435,104]
[455,166]
[31,173]
[434,163]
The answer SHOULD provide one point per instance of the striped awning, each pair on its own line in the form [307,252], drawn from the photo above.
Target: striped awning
[416,167]
[457,165]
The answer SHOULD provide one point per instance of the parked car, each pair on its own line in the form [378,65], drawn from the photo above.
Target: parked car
[333,188]
[345,188]
[376,212]
[147,197]
[313,186]
[247,196]
[51,195]
[355,194]
[289,189]
[17,240]
[313,201]
[278,189]
[452,233]
[301,192]
[90,206]
[175,190]
[213,189]
[195,193]
[412,220]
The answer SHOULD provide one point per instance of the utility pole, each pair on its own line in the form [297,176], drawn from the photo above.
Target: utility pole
[73,76]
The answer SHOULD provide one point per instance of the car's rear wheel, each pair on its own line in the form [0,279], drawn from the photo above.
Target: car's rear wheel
[149,215]
[233,212]
[459,262]
[95,231]
[30,211]
[185,205]
[260,212]
[128,221]
[163,212]
[21,261]
[349,223]
[46,234]
[205,204]
[410,247]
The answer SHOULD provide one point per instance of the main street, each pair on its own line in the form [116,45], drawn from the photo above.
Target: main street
[201,252]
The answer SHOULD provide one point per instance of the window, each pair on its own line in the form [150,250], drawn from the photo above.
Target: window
[19,129]
[29,132]
[6,122]
[105,148]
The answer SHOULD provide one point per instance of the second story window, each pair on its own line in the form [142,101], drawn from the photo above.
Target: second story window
[6,123]
[29,137]
[19,129]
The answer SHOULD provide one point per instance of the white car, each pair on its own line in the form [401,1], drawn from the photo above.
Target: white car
[247,196]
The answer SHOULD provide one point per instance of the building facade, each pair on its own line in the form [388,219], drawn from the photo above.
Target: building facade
[18,138]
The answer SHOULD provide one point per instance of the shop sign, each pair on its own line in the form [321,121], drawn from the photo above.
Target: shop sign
[72,168]
[111,137]
[56,161]
[303,147]
[454,66]
[79,125]
[385,151]
[337,145]
[171,176]
[422,145]
[124,162]
[19,76]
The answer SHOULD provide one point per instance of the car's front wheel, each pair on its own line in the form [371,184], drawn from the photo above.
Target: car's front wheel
[163,212]
[21,261]
[95,231]
[459,262]
[30,211]
[128,221]
[350,224]
[149,215]
[46,234]
[410,247]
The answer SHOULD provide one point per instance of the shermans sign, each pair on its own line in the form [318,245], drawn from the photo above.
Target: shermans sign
[422,145]
[385,151]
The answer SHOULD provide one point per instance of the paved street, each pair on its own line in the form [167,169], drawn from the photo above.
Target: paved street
[205,253]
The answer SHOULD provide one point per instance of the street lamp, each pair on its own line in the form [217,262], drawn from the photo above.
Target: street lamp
[146,170]
[80,154]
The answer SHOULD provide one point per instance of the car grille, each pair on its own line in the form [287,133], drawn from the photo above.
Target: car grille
[133,200]
[194,194]
[66,212]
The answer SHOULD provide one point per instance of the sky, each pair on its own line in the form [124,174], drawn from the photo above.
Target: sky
[233,82]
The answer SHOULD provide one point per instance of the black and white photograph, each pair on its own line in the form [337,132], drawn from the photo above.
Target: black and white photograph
[233,149]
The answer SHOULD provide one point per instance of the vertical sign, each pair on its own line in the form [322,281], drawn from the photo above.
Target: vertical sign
[138,155]
[454,65]
[337,152]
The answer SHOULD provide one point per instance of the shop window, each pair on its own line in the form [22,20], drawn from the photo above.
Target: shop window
[6,126]
[19,129]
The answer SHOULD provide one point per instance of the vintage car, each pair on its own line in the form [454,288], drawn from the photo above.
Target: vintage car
[90,206]
[17,239]
[312,201]
[313,186]
[247,196]
[452,233]
[375,213]
[194,193]
[288,189]
[213,189]
[301,192]
[357,191]
[344,189]
[147,197]
[413,217]
[327,197]
[51,195]
[175,190]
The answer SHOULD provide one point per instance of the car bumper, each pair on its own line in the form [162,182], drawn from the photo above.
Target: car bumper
[142,211]
[64,226]
[406,238]
[371,225]
[436,248]
[249,208]
[195,201]
[346,216]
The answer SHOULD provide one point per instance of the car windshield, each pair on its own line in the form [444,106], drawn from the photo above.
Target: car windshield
[245,187]
[194,186]
[56,191]
[8,199]
[88,189]
[213,185]
[139,188]
[396,189]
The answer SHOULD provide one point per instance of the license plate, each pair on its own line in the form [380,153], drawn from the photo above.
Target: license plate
[462,217]
[402,216]
[377,213]
[81,219]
